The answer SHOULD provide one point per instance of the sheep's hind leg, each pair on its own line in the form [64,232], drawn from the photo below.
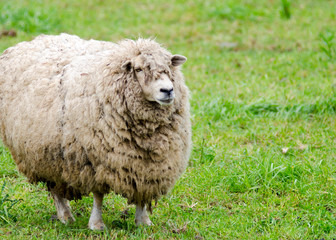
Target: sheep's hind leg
[141,216]
[63,208]
[96,219]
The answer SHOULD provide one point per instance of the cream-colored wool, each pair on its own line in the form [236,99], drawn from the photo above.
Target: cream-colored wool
[74,115]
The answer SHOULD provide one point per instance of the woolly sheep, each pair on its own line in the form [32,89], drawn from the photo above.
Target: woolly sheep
[93,116]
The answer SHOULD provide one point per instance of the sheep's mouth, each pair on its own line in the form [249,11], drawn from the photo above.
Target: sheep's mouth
[168,101]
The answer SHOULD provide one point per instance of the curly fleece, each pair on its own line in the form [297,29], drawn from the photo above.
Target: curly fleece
[74,117]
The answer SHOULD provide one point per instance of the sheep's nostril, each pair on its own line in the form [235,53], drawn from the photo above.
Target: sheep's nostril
[167,91]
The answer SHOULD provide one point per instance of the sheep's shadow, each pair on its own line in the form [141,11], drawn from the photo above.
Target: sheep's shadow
[122,221]
[113,226]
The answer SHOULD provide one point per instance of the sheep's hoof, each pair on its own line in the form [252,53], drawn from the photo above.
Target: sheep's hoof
[97,226]
[67,219]
[144,222]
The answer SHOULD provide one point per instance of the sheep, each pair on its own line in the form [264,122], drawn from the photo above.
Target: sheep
[88,116]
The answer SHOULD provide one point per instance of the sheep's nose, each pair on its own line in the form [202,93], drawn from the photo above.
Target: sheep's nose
[167,91]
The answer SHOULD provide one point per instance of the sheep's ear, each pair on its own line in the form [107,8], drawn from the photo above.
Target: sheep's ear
[178,60]
[126,66]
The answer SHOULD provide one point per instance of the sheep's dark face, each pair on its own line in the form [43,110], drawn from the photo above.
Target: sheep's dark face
[154,74]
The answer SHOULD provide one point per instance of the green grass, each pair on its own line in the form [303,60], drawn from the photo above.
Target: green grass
[6,204]
[328,45]
[263,83]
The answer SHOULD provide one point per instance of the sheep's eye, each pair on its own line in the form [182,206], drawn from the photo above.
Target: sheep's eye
[138,70]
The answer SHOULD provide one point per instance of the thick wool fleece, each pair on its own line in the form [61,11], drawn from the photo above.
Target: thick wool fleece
[75,118]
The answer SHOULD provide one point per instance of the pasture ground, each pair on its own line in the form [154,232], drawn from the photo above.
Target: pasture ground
[263,80]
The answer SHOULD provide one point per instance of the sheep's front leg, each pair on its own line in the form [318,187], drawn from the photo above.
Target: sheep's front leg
[96,219]
[141,216]
[63,208]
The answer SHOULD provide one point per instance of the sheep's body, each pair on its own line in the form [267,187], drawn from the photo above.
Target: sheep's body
[73,117]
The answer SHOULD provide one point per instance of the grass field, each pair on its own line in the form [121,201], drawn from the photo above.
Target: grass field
[263,80]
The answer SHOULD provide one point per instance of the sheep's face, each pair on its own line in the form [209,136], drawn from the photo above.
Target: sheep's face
[155,79]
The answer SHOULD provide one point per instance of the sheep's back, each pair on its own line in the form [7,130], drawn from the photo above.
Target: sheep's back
[31,96]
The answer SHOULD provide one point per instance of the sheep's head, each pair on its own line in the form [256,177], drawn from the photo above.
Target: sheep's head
[154,72]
